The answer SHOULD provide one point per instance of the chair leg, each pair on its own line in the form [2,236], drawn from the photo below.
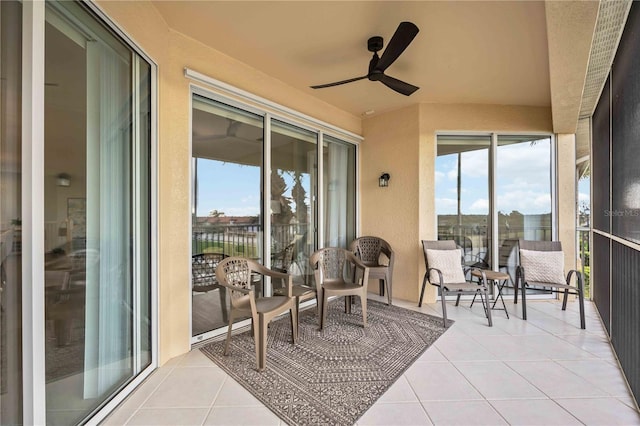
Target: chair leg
[388,281]
[458,299]
[222,292]
[515,292]
[488,306]
[581,302]
[363,303]
[261,342]
[294,323]
[381,284]
[424,283]
[226,343]
[323,317]
[444,307]
[524,299]
[564,299]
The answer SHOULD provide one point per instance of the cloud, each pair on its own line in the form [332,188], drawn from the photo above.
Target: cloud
[524,201]
[446,206]
[480,205]
[583,198]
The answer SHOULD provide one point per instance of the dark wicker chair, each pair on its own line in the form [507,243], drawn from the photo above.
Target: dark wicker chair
[203,277]
[528,275]
[371,250]
[458,287]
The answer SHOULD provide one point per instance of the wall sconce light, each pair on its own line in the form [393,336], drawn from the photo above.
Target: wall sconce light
[383,181]
[64,179]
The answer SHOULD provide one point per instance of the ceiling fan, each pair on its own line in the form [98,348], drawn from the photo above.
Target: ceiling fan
[403,36]
[232,130]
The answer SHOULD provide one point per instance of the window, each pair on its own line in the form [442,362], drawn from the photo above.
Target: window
[492,190]
[255,193]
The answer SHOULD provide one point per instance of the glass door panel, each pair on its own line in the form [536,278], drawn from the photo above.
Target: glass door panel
[96,211]
[339,160]
[226,212]
[293,199]
[462,196]
[10,214]
[523,188]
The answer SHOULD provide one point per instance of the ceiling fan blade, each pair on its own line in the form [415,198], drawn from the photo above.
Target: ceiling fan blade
[337,83]
[403,36]
[398,85]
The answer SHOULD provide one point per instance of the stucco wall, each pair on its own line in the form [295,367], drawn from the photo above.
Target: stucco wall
[391,145]
[394,142]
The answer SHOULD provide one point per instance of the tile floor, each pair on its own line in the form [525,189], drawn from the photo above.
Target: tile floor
[544,371]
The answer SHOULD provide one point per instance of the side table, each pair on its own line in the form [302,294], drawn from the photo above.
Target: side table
[500,279]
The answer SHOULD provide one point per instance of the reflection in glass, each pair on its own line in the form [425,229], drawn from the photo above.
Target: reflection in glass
[97,219]
[10,213]
[462,195]
[523,185]
[293,209]
[226,217]
[339,192]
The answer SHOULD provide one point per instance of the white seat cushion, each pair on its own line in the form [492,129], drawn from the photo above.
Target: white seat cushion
[543,266]
[449,262]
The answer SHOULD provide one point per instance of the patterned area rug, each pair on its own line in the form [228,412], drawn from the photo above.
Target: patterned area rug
[329,377]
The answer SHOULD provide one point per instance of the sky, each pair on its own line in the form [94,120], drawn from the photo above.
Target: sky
[227,187]
[523,181]
[233,189]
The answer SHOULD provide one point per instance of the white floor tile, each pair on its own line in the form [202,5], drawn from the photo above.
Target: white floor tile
[396,414]
[602,374]
[463,413]
[541,412]
[400,391]
[601,411]
[168,416]
[496,380]
[440,382]
[463,348]
[187,387]
[555,380]
[246,416]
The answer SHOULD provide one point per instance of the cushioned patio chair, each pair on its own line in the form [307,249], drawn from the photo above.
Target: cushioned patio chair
[203,277]
[378,255]
[443,261]
[541,267]
[331,265]
[236,274]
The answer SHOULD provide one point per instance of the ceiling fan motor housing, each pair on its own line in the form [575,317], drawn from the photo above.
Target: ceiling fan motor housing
[374,44]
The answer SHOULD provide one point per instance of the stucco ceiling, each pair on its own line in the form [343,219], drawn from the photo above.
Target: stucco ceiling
[478,52]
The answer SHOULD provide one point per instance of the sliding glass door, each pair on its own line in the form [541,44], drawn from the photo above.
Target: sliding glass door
[523,188]
[492,190]
[246,164]
[293,198]
[227,165]
[462,195]
[339,192]
[97,218]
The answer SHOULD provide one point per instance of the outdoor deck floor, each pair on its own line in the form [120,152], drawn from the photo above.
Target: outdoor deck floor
[544,371]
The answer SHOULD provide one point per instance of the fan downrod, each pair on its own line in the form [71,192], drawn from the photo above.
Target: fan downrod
[374,44]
